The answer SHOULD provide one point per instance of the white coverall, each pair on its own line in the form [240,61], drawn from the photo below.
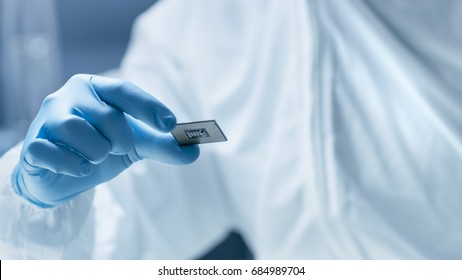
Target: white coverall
[344,121]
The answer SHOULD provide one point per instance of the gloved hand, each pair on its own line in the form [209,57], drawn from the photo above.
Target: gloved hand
[88,132]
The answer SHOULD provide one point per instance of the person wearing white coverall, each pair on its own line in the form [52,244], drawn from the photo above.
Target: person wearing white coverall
[344,121]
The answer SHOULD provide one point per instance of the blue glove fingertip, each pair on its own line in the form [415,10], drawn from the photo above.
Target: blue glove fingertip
[189,154]
[16,181]
[167,122]
[21,190]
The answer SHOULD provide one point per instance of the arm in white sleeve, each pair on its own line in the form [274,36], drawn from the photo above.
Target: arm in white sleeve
[30,232]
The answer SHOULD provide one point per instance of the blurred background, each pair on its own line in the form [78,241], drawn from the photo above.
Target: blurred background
[44,42]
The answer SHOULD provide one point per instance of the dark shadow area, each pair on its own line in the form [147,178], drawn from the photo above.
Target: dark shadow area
[232,248]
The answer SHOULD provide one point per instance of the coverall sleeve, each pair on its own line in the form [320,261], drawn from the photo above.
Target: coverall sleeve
[30,232]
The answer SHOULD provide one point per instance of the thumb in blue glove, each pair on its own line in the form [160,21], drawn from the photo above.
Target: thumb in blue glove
[87,133]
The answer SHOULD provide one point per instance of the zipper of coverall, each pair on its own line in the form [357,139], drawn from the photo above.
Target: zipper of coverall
[315,124]
[309,52]
[322,134]
[326,188]
[306,51]
[317,191]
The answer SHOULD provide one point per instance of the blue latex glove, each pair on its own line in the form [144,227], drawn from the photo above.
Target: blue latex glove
[88,132]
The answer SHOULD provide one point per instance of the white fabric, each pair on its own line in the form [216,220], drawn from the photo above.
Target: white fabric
[344,127]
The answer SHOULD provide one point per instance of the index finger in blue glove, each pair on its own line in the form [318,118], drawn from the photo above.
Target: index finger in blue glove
[151,144]
[134,101]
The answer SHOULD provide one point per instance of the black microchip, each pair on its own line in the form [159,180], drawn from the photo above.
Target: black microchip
[198,133]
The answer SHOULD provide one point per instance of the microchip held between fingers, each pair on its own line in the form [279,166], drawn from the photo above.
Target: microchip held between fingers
[198,133]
